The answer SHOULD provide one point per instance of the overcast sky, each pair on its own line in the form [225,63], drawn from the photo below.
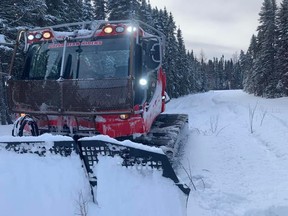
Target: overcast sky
[215,26]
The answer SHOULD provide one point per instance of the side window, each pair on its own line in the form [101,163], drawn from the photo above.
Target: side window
[28,61]
[151,85]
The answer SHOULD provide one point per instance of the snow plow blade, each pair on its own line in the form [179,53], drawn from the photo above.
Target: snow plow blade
[89,149]
[132,156]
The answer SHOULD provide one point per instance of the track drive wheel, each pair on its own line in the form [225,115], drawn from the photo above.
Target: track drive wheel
[25,126]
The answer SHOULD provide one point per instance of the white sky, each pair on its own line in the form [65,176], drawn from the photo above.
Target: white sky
[215,26]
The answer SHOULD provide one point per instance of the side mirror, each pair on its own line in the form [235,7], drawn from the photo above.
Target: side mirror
[152,54]
[155,53]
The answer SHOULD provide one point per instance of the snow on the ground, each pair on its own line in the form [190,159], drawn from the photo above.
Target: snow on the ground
[238,165]
[236,172]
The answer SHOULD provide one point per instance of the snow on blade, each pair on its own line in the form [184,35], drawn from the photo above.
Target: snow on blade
[131,192]
[41,138]
[127,143]
[33,185]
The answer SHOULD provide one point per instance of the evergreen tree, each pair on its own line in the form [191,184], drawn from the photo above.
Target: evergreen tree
[73,11]
[169,62]
[202,76]
[210,73]
[264,72]
[182,65]
[99,9]
[220,73]
[192,71]
[55,12]
[246,63]
[123,9]
[31,13]
[237,75]
[87,12]
[145,13]
[282,49]
[229,78]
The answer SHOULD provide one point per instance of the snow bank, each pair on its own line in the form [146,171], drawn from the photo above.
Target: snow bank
[33,185]
[133,192]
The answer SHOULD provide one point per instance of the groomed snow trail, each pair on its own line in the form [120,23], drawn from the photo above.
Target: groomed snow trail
[236,172]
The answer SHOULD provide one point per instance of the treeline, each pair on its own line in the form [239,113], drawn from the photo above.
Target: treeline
[265,64]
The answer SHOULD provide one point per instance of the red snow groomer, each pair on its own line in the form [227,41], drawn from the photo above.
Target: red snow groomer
[97,77]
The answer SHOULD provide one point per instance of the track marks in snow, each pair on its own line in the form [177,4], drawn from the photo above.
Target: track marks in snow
[271,211]
[281,121]
[244,174]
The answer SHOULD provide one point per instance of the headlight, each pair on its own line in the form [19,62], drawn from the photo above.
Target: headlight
[30,37]
[131,29]
[124,116]
[143,82]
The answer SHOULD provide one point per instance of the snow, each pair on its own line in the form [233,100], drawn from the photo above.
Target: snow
[238,165]
[127,143]
[31,185]
[133,193]
[2,38]
[236,172]
[3,43]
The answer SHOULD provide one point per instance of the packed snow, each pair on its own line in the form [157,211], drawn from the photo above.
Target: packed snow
[3,42]
[236,156]
[238,161]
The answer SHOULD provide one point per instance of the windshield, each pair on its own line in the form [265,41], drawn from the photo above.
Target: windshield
[101,58]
